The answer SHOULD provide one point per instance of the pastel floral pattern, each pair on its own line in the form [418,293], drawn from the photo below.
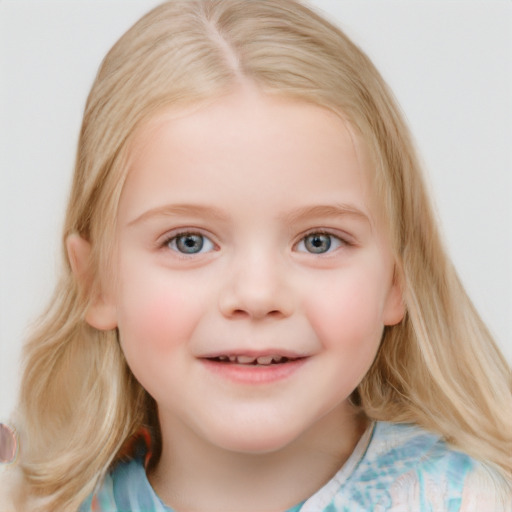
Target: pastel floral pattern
[394,468]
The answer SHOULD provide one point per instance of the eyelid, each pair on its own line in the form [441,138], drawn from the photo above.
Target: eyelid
[345,239]
[164,240]
[337,233]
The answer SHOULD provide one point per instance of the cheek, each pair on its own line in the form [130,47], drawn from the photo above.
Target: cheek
[155,314]
[346,313]
[346,318]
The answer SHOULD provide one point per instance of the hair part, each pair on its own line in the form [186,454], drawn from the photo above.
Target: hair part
[439,367]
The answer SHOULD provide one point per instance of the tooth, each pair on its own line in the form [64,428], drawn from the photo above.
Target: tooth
[223,358]
[232,359]
[277,359]
[245,359]
[265,359]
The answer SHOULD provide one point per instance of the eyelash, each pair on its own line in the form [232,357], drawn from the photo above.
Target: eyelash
[341,242]
[171,242]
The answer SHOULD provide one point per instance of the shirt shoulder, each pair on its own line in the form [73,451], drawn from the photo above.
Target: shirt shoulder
[125,488]
[406,468]
[484,489]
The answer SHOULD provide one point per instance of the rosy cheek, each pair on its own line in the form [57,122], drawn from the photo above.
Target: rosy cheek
[346,315]
[158,320]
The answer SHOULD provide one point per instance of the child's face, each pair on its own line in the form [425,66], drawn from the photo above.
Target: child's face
[246,230]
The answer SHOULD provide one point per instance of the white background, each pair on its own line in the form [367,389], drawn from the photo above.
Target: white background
[449,63]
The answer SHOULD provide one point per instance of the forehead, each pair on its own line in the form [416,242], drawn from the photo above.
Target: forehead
[274,141]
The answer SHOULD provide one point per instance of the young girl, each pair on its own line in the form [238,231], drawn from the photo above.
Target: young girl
[256,313]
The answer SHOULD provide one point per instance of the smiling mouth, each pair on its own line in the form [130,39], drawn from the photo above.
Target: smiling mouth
[266,360]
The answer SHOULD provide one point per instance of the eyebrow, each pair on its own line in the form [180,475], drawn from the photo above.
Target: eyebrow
[181,209]
[316,211]
[212,212]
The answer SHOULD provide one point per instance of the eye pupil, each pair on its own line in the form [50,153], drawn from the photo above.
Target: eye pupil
[189,244]
[317,243]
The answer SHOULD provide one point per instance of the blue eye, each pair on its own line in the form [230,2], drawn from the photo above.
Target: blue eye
[190,243]
[319,243]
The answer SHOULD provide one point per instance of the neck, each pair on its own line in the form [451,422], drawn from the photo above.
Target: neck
[194,475]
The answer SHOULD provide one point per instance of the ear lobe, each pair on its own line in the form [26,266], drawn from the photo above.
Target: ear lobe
[101,312]
[394,308]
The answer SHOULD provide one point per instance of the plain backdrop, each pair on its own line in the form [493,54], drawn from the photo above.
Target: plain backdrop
[449,63]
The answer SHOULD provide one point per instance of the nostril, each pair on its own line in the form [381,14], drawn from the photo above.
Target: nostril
[239,313]
[242,302]
[259,314]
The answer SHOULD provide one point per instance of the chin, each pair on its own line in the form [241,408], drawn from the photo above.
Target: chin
[251,442]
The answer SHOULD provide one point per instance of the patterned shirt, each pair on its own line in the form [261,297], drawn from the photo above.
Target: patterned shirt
[394,468]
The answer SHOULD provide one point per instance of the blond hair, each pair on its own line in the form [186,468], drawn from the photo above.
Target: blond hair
[438,368]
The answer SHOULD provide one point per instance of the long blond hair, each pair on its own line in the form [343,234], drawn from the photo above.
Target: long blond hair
[438,368]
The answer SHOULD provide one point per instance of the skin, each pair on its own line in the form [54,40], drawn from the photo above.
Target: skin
[7,444]
[251,177]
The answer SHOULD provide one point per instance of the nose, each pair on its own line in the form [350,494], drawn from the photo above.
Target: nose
[257,288]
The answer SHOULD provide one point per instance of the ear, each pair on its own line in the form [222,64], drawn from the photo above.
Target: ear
[101,312]
[394,307]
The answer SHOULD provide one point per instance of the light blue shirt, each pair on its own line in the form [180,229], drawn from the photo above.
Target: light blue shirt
[394,467]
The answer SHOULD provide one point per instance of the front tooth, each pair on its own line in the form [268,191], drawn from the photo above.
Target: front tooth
[245,359]
[265,359]
[277,359]
[232,359]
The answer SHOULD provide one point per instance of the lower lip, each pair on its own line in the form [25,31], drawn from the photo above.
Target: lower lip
[254,374]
